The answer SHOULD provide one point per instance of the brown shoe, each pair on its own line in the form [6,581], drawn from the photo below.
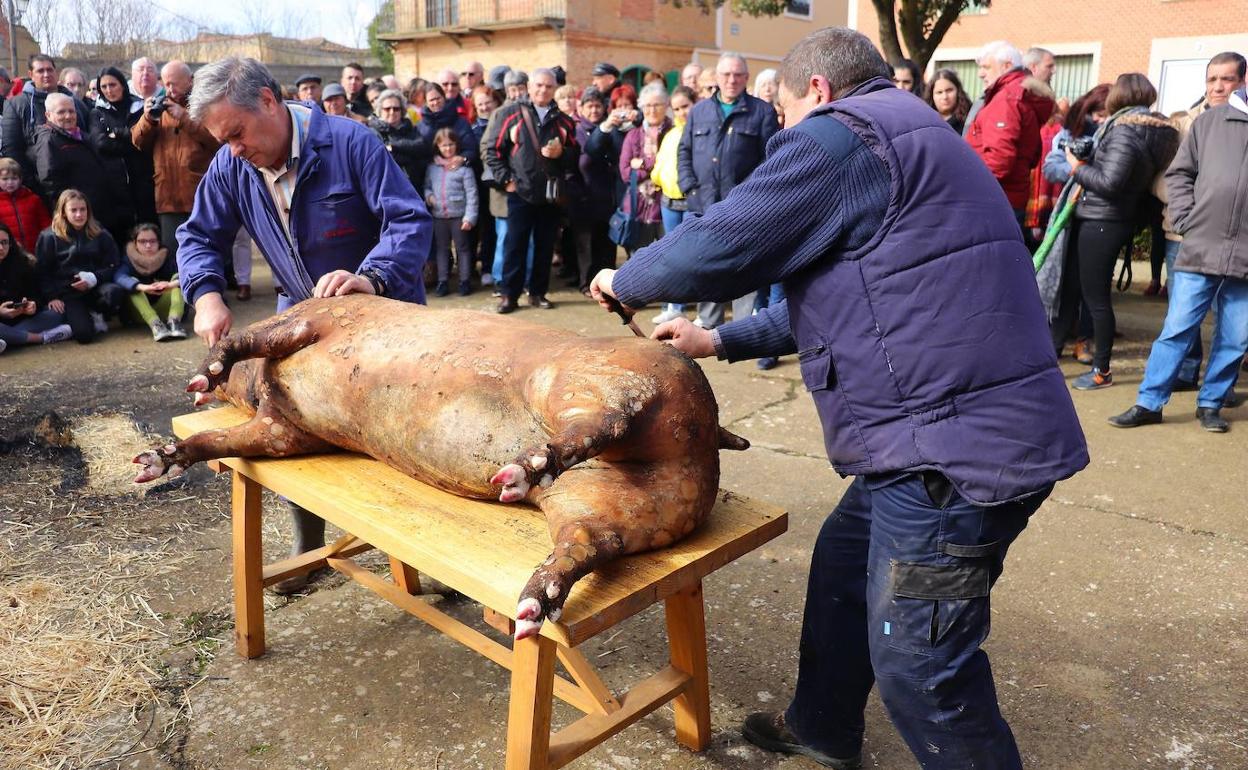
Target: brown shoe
[244,293]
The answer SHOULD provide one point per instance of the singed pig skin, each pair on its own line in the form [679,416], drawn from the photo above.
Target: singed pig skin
[615,439]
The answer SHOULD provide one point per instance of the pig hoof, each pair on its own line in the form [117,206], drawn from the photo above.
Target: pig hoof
[515,482]
[204,398]
[528,618]
[153,466]
[198,384]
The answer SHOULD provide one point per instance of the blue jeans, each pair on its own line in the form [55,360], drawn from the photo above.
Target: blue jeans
[496,270]
[1191,295]
[1190,370]
[899,598]
[672,220]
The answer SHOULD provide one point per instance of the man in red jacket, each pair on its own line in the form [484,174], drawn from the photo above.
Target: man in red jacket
[1005,131]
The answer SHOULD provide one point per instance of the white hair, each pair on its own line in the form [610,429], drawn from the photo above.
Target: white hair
[1000,51]
[55,98]
[135,64]
[766,76]
[653,90]
[733,56]
[1034,56]
[545,71]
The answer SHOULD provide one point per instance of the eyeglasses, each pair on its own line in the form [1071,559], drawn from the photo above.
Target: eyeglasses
[5,243]
[471,74]
[449,83]
[146,241]
[391,109]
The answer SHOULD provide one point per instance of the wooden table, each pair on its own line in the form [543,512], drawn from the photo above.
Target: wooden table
[487,551]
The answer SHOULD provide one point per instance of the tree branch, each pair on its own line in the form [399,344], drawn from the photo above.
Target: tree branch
[884,11]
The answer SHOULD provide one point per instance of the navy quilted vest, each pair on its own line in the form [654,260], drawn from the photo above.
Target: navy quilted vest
[928,348]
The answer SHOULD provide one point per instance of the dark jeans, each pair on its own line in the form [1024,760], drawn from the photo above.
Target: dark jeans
[105,298]
[526,219]
[594,249]
[485,239]
[446,232]
[15,332]
[1096,246]
[899,598]
[169,224]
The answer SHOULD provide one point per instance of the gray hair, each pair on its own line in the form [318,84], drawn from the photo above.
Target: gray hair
[844,57]
[235,79]
[692,64]
[1035,55]
[766,76]
[391,93]
[653,90]
[1000,51]
[56,97]
[516,78]
[139,60]
[545,71]
[732,56]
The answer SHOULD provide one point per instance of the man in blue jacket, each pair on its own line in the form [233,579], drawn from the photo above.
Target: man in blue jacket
[330,210]
[926,351]
[724,141]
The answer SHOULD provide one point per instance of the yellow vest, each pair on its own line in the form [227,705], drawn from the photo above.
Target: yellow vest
[665,167]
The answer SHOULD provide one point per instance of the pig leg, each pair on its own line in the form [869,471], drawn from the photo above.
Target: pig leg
[265,435]
[595,515]
[274,338]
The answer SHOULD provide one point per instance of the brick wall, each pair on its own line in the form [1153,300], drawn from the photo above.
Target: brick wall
[1124,30]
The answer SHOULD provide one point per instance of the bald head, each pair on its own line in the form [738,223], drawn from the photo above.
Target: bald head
[176,76]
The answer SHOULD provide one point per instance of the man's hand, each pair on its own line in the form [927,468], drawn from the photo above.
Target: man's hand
[56,306]
[80,285]
[600,288]
[339,283]
[553,149]
[682,334]
[465,225]
[175,110]
[212,318]
[511,186]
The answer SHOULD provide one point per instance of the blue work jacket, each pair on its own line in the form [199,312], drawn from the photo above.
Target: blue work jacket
[716,154]
[352,209]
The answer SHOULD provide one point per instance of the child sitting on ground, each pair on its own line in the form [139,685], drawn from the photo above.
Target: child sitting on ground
[20,208]
[149,275]
[452,197]
[24,319]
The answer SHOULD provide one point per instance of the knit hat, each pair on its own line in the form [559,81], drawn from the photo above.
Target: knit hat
[495,80]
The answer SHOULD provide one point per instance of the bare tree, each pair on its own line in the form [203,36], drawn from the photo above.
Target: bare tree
[355,18]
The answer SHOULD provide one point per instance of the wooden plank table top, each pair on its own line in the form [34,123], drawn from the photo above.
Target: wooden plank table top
[488,550]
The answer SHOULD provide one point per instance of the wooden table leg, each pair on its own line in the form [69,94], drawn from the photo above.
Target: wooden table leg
[405,577]
[248,567]
[686,634]
[532,691]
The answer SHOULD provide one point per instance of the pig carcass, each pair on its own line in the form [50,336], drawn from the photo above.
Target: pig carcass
[616,440]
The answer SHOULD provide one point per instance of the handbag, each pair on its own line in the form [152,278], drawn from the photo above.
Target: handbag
[554,192]
[624,227]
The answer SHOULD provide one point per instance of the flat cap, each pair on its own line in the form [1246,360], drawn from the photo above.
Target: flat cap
[605,68]
[308,77]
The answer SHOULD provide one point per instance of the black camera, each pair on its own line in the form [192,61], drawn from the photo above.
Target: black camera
[1080,147]
[158,106]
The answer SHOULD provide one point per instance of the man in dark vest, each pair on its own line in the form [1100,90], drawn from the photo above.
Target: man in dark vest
[920,334]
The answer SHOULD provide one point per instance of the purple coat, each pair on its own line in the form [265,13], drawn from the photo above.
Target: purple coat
[647,193]
[928,346]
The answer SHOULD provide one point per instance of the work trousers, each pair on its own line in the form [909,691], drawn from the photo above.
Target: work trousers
[899,597]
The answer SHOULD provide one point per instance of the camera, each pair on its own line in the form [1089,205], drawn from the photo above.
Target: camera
[1081,147]
[158,106]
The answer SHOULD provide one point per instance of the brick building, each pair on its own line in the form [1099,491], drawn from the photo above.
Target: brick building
[635,35]
[1097,40]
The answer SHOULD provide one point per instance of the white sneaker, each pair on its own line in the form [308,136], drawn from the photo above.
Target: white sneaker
[487,279]
[665,316]
[3,346]
[57,334]
[101,325]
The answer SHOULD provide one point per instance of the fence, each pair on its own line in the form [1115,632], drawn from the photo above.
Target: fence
[419,15]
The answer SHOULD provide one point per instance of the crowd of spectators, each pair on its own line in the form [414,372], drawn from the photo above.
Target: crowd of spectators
[534,179]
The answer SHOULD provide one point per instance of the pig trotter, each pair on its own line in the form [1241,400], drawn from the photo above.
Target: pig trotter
[276,338]
[157,462]
[580,547]
[538,467]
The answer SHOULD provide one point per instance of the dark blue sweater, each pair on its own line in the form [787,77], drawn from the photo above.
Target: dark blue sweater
[807,200]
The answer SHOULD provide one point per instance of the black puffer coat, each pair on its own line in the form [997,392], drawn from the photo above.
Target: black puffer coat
[1129,156]
[63,162]
[408,147]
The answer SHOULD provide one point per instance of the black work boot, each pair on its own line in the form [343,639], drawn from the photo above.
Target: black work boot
[1211,421]
[767,730]
[1135,417]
